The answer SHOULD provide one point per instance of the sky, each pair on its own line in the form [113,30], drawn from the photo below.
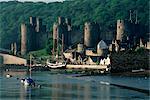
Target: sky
[35,0]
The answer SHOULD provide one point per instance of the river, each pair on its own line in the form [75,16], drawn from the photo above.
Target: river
[61,86]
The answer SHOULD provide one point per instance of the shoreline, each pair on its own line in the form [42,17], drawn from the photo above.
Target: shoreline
[145,73]
[84,72]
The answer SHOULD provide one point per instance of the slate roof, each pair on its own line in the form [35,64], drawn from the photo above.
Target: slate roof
[102,45]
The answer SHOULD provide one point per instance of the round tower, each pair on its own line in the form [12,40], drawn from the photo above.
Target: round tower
[15,48]
[68,21]
[33,21]
[12,47]
[55,36]
[91,34]
[23,39]
[120,29]
[87,34]
[38,24]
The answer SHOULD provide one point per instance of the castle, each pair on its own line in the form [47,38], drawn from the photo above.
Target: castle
[63,31]
[65,35]
[33,35]
[92,43]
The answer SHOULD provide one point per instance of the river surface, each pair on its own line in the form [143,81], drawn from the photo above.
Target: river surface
[58,86]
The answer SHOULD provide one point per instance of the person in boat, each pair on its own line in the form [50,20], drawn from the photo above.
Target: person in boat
[31,82]
[28,82]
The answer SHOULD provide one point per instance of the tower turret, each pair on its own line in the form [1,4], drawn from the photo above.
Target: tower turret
[23,39]
[38,24]
[120,29]
[61,20]
[55,36]
[33,21]
[91,34]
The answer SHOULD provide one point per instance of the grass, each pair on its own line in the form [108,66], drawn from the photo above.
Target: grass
[39,53]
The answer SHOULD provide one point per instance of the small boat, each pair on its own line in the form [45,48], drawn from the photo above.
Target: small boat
[29,82]
[56,65]
[138,70]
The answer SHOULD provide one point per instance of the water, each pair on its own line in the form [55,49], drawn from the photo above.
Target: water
[66,87]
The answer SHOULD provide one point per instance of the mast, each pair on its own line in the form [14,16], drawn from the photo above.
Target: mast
[30,64]
[62,49]
[57,53]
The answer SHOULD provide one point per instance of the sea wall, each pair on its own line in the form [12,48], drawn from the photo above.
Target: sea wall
[10,59]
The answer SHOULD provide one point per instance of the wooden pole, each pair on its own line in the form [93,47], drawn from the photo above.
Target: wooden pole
[30,64]
[62,50]
[57,55]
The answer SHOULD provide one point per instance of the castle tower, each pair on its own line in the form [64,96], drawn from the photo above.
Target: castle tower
[15,48]
[130,17]
[55,36]
[33,21]
[38,24]
[91,35]
[120,29]
[87,35]
[69,29]
[61,20]
[23,39]
[12,47]
[137,29]
[68,22]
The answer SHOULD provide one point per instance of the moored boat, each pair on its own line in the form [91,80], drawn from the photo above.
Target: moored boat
[56,65]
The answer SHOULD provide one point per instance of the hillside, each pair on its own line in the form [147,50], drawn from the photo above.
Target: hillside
[105,12]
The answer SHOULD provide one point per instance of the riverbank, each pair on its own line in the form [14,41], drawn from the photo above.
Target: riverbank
[82,72]
[145,73]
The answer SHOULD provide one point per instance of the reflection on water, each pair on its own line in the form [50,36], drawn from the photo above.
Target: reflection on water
[62,87]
